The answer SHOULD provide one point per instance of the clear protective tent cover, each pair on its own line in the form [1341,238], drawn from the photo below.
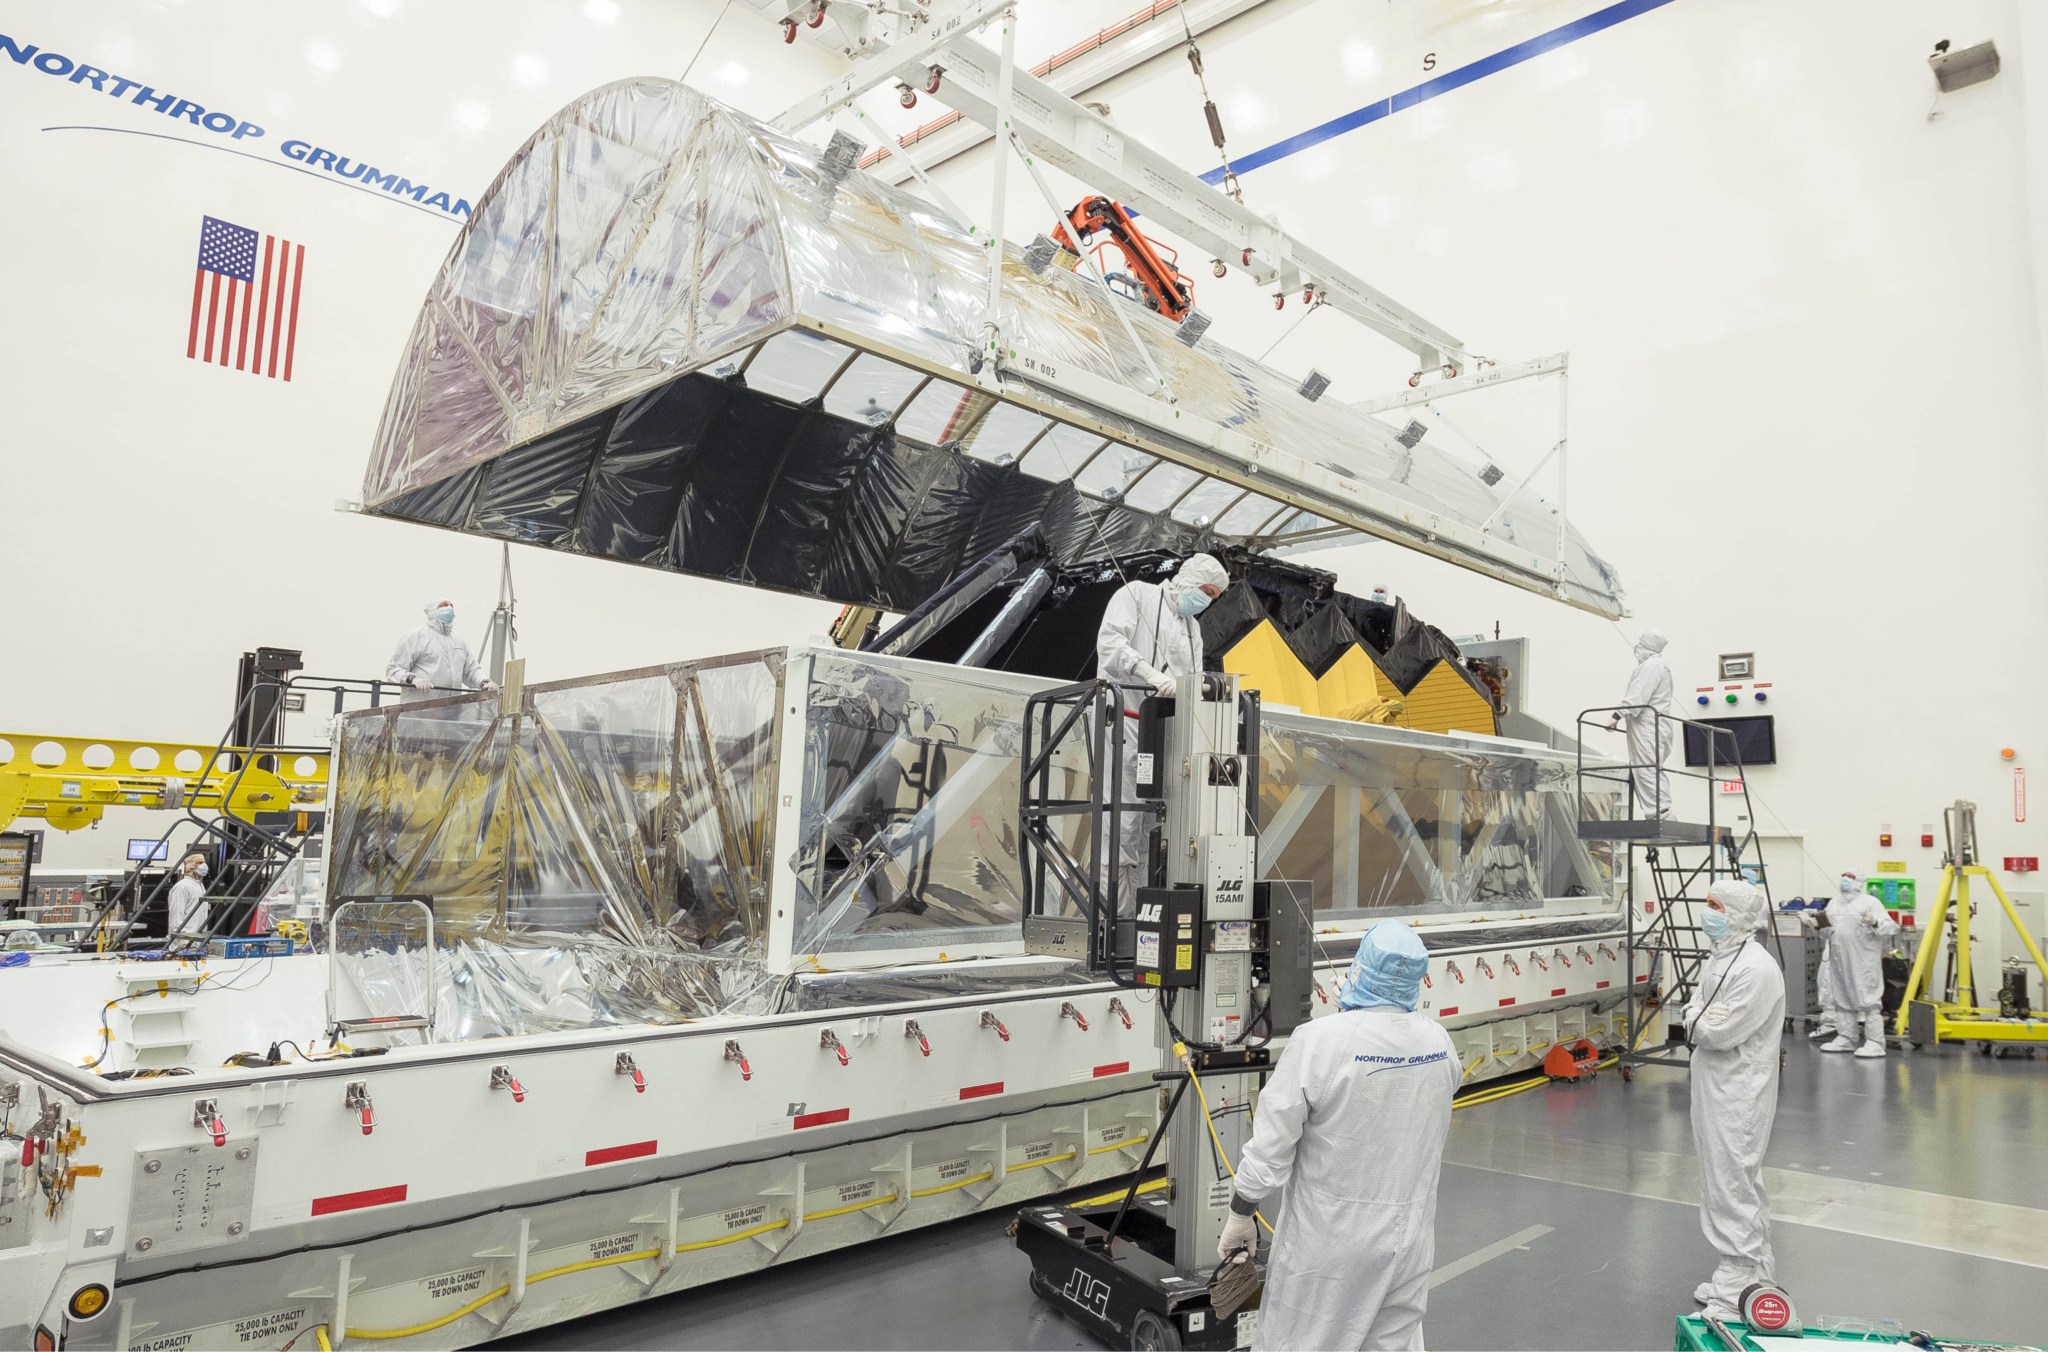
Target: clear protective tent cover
[606,854]
[692,342]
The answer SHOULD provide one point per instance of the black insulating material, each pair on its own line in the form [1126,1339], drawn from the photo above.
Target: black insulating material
[1228,619]
[1323,637]
[1374,621]
[706,476]
[631,504]
[1415,652]
[530,494]
[797,514]
[729,483]
[446,503]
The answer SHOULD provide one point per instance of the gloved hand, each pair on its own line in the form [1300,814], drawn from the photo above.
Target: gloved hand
[1161,683]
[489,687]
[421,683]
[1240,1239]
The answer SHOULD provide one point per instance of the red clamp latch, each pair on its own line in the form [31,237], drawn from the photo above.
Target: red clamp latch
[28,1152]
[1456,971]
[1116,1007]
[1609,954]
[1581,950]
[1426,982]
[206,1116]
[1513,966]
[503,1078]
[356,1098]
[622,1064]
[911,1029]
[1483,965]
[1536,958]
[989,1020]
[733,1053]
[1322,994]
[833,1045]
[1067,1011]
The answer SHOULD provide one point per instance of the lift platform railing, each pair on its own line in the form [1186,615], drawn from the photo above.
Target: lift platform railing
[1069,894]
[252,856]
[1672,936]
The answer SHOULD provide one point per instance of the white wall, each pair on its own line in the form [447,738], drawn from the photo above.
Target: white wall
[1806,355]
[161,516]
[1803,320]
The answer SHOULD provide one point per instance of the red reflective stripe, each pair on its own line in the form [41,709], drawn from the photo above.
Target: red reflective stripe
[825,1119]
[1558,991]
[981,1090]
[1644,977]
[1601,985]
[1113,1068]
[614,1153]
[1508,1001]
[1447,1011]
[356,1201]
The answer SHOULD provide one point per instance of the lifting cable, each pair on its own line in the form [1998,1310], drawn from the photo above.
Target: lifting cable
[1229,182]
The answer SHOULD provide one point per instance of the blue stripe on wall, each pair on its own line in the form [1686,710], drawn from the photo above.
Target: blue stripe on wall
[1595,22]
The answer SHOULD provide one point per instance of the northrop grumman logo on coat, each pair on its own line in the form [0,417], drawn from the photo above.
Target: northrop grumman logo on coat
[230,131]
[1380,1063]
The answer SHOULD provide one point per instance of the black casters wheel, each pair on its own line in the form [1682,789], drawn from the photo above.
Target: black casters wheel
[1153,1332]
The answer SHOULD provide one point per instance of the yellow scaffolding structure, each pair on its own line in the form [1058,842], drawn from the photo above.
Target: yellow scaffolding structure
[70,782]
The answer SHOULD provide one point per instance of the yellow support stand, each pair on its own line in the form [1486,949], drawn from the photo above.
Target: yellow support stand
[1960,1018]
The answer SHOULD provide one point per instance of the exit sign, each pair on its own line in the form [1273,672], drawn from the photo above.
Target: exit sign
[1728,785]
[2022,863]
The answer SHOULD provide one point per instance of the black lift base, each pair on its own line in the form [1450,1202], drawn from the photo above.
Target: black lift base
[1130,1298]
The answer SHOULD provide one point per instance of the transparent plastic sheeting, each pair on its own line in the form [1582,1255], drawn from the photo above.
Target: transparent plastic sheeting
[1381,819]
[673,335]
[632,812]
[541,982]
[604,853]
[910,800]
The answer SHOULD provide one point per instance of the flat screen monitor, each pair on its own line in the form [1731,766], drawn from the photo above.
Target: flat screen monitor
[1755,741]
[148,851]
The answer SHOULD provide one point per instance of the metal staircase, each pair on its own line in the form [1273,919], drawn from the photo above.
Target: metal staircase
[1666,946]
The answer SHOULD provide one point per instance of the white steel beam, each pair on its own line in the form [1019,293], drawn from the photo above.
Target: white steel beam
[1484,378]
[1056,129]
[881,69]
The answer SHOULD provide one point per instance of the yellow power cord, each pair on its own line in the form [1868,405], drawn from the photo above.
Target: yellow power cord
[1180,1051]
[693,1246]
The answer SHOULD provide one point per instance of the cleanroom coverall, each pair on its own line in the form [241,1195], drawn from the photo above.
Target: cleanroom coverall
[1350,1132]
[439,655]
[1142,624]
[1650,738]
[1857,929]
[188,906]
[1732,1021]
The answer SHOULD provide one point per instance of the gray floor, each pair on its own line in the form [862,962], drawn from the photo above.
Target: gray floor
[1913,1189]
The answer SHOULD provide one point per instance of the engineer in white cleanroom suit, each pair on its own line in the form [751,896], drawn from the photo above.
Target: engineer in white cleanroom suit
[432,661]
[1350,1141]
[1858,928]
[1150,636]
[188,898]
[1731,1024]
[1650,739]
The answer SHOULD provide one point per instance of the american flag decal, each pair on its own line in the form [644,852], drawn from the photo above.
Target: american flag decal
[245,299]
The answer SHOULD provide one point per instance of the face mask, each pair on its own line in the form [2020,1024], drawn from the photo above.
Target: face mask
[445,615]
[1193,602]
[1849,887]
[199,872]
[1715,923]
